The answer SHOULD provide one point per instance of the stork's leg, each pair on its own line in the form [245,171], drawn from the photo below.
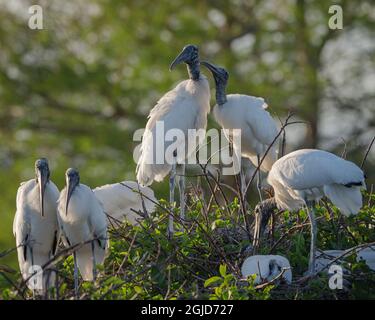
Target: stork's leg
[259,182]
[93,260]
[172,179]
[257,227]
[75,276]
[243,186]
[314,229]
[181,187]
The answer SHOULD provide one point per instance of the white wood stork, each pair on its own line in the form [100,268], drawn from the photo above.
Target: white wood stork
[83,223]
[185,107]
[248,113]
[35,226]
[120,199]
[304,176]
[267,268]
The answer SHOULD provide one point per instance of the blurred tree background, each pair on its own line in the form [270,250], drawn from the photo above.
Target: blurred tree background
[76,91]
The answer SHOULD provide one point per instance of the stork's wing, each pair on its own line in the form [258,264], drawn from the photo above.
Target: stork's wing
[165,104]
[308,168]
[260,121]
[176,110]
[98,221]
[22,230]
[20,192]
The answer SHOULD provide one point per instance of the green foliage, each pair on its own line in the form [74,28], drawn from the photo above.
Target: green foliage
[228,287]
[76,91]
[203,262]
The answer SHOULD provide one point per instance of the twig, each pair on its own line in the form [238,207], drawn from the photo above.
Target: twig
[367,152]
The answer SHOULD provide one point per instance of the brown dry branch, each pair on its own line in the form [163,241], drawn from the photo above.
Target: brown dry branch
[367,152]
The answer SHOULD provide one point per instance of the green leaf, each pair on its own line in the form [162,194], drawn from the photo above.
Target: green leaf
[138,289]
[212,280]
[223,270]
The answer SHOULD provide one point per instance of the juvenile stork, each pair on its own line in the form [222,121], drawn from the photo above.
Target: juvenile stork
[35,226]
[248,113]
[304,176]
[184,108]
[83,224]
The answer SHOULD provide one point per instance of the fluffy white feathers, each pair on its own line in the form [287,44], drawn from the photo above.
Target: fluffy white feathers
[267,268]
[309,174]
[258,129]
[120,199]
[185,107]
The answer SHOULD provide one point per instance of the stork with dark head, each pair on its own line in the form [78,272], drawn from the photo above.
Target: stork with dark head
[179,111]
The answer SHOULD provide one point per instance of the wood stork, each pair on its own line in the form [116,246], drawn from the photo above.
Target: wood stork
[120,200]
[304,176]
[35,226]
[248,113]
[183,108]
[267,268]
[83,223]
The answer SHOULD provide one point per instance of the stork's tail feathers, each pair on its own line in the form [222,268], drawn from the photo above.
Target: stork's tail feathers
[144,174]
[347,199]
[147,173]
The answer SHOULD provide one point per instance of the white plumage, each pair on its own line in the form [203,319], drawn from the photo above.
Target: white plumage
[83,220]
[266,268]
[368,255]
[308,174]
[258,129]
[36,236]
[185,107]
[326,257]
[120,199]
[362,254]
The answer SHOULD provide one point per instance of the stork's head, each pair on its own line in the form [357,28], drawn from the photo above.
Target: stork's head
[221,77]
[263,212]
[42,177]
[190,56]
[274,269]
[72,181]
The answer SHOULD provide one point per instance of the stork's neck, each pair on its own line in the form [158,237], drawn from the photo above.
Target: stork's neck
[193,70]
[221,96]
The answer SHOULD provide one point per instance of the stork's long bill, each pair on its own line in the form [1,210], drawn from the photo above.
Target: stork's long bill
[42,176]
[182,57]
[72,181]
